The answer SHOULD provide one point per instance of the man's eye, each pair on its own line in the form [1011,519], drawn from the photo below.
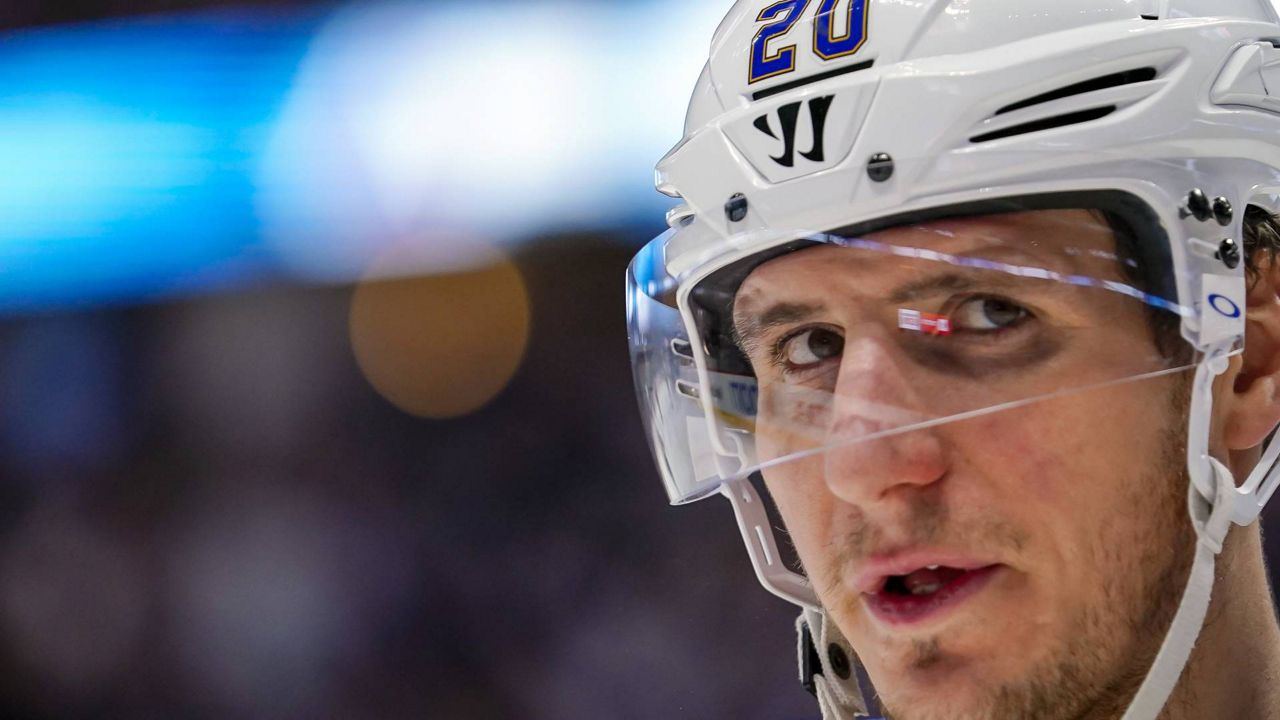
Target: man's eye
[987,314]
[811,347]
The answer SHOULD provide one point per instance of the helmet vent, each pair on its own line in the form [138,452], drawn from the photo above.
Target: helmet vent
[1071,104]
[1046,124]
[1129,77]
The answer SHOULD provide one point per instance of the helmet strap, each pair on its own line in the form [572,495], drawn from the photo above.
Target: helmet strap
[830,670]
[1211,504]
[1211,522]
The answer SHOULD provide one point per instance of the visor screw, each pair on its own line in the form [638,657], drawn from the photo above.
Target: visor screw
[880,167]
[1229,253]
[1198,205]
[839,661]
[736,208]
[1223,211]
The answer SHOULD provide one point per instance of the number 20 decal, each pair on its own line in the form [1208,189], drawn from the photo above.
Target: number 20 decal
[781,17]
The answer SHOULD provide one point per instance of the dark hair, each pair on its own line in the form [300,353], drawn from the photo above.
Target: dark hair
[1261,240]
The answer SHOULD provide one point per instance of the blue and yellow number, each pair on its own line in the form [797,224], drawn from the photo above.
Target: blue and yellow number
[784,16]
[826,43]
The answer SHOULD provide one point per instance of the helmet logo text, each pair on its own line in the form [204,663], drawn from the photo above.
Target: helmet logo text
[835,35]
[780,18]
[788,118]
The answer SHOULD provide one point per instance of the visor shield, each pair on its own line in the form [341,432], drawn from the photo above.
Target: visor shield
[831,339]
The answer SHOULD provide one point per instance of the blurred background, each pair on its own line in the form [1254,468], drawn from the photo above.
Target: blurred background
[314,387]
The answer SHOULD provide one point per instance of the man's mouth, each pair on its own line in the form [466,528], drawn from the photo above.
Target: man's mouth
[926,592]
[925,581]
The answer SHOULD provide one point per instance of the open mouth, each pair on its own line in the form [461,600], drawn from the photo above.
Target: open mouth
[926,592]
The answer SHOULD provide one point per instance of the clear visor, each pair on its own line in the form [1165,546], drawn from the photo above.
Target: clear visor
[827,340]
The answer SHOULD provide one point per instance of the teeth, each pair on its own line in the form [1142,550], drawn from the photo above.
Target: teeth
[926,589]
[933,567]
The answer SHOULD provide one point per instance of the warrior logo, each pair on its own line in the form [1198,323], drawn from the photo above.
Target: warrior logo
[788,117]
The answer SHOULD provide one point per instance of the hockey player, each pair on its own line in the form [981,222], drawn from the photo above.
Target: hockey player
[971,311]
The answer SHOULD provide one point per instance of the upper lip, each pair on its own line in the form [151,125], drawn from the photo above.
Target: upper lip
[872,574]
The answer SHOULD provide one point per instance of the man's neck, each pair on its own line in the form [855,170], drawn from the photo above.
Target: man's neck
[1236,662]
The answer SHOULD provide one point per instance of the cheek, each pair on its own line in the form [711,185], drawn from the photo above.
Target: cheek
[1069,470]
[1028,454]
[1086,448]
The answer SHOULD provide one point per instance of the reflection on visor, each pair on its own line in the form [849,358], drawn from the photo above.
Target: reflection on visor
[854,336]
[843,337]
[927,323]
[1023,271]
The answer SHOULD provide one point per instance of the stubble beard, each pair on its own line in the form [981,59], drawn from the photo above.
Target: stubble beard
[1114,640]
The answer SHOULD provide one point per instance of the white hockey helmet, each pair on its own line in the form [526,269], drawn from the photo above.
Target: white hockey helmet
[896,138]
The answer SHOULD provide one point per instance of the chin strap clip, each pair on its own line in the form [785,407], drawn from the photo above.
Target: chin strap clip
[1259,487]
[835,677]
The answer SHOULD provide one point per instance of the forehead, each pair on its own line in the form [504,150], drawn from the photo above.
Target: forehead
[1064,241]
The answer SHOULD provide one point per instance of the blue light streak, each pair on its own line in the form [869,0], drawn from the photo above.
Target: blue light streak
[127,149]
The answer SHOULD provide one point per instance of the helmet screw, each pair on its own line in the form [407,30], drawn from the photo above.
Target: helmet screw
[1198,205]
[839,661]
[736,208]
[1223,211]
[1229,253]
[880,167]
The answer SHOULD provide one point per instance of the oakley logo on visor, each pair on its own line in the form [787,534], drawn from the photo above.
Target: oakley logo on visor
[1225,306]
[788,119]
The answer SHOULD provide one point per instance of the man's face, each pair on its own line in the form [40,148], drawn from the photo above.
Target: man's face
[1058,525]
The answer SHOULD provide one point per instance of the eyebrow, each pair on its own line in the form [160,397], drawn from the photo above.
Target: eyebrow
[747,332]
[950,282]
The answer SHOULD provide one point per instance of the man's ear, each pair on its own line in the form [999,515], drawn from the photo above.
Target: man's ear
[1252,400]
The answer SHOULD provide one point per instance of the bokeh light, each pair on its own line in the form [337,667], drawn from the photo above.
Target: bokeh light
[443,345]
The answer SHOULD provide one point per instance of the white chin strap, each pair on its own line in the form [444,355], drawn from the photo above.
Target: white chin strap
[1211,522]
[832,672]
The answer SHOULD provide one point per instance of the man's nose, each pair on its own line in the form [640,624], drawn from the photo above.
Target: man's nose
[871,457]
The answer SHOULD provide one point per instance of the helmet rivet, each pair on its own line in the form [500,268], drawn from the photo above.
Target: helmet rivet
[839,661]
[1223,211]
[1198,205]
[1229,253]
[736,208]
[880,167]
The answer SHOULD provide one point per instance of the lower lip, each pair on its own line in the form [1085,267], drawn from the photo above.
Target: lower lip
[903,610]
